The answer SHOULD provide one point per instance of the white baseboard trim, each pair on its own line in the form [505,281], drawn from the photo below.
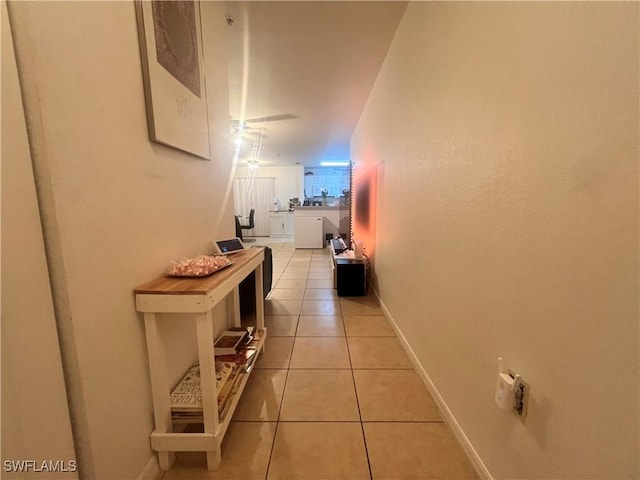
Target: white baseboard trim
[152,470]
[448,417]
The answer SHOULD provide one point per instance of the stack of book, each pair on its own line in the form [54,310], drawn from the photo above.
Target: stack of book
[233,340]
[186,397]
[242,354]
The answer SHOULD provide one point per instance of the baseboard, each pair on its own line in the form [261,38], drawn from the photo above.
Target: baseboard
[470,452]
[152,470]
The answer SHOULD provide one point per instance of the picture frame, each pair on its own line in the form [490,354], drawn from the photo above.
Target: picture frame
[173,70]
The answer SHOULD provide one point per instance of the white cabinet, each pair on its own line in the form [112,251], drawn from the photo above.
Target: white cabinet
[282,224]
[289,224]
[277,224]
[308,232]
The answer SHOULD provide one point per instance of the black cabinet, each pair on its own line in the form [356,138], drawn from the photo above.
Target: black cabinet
[349,272]
[351,277]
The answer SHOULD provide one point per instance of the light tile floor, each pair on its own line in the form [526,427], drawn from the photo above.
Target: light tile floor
[333,397]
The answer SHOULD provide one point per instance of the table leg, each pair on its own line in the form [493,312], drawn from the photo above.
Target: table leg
[235,309]
[159,386]
[204,330]
[259,298]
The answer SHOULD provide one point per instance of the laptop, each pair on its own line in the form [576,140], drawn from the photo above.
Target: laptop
[228,247]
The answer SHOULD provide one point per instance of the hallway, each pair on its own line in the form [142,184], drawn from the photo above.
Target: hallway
[334,395]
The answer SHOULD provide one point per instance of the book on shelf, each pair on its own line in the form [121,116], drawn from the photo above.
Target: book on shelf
[187,395]
[228,390]
[228,343]
[187,417]
[186,402]
[247,354]
[232,340]
[189,380]
[243,357]
[182,413]
[257,336]
[250,329]
[248,334]
[224,400]
[223,371]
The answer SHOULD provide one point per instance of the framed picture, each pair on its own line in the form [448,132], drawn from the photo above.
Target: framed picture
[173,72]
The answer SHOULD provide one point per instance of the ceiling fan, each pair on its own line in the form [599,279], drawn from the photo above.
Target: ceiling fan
[240,126]
[247,132]
[271,118]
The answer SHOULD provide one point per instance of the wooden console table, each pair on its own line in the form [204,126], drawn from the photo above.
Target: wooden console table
[197,296]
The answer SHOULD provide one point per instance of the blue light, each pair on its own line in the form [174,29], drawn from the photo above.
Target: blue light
[334,164]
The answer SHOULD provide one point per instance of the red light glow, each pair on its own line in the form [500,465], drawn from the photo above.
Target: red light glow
[364,198]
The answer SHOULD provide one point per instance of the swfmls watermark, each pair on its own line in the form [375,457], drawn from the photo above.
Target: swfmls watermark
[40,466]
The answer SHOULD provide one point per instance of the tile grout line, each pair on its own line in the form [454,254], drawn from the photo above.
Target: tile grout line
[340,315]
[275,432]
[295,336]
[355,391]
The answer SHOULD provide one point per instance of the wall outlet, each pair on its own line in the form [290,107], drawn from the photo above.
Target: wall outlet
[521,394]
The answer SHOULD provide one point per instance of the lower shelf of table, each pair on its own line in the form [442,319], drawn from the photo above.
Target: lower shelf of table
[185,442]
[207,441]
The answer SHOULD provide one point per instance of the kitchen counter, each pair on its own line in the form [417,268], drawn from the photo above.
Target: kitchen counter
[323,207]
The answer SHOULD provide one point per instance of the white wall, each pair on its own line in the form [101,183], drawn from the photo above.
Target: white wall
[124,208]
[505,137]
[34,401]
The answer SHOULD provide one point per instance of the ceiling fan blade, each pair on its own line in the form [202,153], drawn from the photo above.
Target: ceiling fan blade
[272,118]
[252,135]
[238,126]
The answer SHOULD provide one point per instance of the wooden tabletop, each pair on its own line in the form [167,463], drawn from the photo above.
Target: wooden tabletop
[200,285]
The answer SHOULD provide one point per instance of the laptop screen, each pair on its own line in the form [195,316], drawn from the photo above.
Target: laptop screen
[229,246]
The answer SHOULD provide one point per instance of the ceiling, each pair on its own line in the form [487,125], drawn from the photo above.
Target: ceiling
[305,70]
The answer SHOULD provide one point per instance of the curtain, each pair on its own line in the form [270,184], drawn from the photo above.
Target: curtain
[257,193]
